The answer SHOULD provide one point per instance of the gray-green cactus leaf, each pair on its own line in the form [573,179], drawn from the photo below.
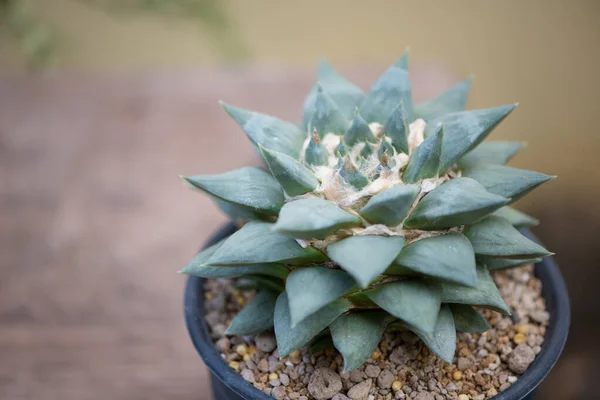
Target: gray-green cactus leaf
[397,129]
[345,94]
[256,317]
[390,206]
[415,302]
[313,218]
[496,237]
[447,257]
[516,218]
[295,178]
[237,212]
[257,243]
[452,100]
[467,319]
[250,187]
[485,294]
[505,181]
[504,263]
[351,175]
[442,341]
[356,335]
[365,257]
[490,153]
[389,90]
[269,131]
[464,130]
[425,160]
[327,117]
[459,201]
[358,132]
[290,339]
[316,154]
[310,289]
[198,267]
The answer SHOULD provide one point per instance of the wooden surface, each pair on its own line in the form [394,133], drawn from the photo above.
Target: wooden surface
[95,223]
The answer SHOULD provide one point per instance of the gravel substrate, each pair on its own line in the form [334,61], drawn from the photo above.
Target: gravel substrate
[401,367]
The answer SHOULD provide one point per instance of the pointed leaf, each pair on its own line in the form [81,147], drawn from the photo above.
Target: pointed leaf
[198,267]
[390,206]
[356,335]
[313,218]
[257,243]
[490,153]
[425,160]
[504,181]
[464,130]
[485,294]
[496,237]
[351,175]
[447,257]
[397,129]
[290,339]
[452,100]
[345,94]
[256,317]
[316,154]
[442,341]
[358,132]
[467,319]
[516,218]
[294,178]
[391,88]
[365,257]
[504,263]
[310,289]
[327,117]
[415,302]
[269,131]
[250,187]
[457,202]
[236,212]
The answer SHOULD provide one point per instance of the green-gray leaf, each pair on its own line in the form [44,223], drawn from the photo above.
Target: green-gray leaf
[269,131]
[390,206]
[464,130]
[449,101]
[356,335]
[505,181]
[459,201]
[316,154]
[490,153]
[313,218]
[327,117]
[351,175]
[485,294]
[496,237]
[256,317]
[250,187]
[504,263]
[467,319]
[425,160]
[310,289]
[415,302]
[237,212]
[257,243]
[447,257]
[345,94]
[365,257]
[358,132]
[516,218]
[397,129]
[385,95]
[442,341]
[294,177]
[290,339]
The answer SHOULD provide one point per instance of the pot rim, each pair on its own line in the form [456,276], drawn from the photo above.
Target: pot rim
[554,292]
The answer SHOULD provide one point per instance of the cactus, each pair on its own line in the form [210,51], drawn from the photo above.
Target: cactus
[373,214]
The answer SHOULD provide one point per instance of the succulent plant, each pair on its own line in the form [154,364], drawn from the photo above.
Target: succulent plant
[373,214]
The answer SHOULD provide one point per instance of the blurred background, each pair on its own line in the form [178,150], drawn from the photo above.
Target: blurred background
[103,103]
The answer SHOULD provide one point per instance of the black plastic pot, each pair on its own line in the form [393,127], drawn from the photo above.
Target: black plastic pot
[229,385]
